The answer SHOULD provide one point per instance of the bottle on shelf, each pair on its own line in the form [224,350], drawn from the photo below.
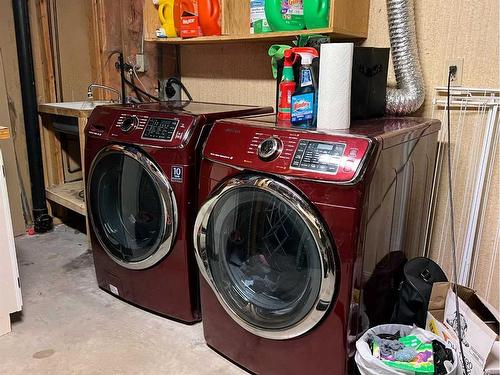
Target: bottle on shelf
[209,13]
[305,98]
[316,13]
[286,88]
[285,15]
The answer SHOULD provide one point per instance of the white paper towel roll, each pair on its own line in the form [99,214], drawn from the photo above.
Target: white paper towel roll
[334,96]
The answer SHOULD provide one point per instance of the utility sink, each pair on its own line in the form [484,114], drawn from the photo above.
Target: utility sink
[83,105]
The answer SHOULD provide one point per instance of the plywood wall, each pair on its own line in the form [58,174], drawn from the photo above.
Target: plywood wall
[236,73]
[120,28]
[16,156]
[73,31]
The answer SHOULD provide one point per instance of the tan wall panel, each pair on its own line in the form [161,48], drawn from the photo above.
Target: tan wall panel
[486,273]
[73,21]
[9,156]
[230,73]
[240,73]
[15,113]
[448,29]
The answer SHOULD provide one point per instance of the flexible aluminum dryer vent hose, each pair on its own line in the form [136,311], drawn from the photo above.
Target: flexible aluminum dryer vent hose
[410,92]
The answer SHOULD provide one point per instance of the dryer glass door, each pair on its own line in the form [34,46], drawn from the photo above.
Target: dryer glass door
[131,207]
[267,257]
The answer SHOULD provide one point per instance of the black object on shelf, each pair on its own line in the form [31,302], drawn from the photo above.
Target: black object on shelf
[369,82]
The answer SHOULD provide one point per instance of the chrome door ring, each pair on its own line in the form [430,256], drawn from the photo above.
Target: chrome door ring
[312,222]
[169,206]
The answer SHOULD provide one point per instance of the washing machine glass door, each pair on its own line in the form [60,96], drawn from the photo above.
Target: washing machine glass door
[267,256]
[131,206]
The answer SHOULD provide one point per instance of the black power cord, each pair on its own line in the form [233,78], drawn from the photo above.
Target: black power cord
[170,91]
[451,72]
[122,66]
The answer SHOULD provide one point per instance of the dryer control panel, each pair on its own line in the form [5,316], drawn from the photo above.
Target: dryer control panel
[284,151]
[160,128]
[156,129]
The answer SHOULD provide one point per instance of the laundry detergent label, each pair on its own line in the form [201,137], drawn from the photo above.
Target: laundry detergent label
[291,9]
[302,107]
[258,21]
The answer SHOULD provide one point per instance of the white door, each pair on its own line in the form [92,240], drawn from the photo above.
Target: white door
[10,290]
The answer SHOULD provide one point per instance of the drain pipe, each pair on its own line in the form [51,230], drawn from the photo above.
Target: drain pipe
[42,220]
[410,92]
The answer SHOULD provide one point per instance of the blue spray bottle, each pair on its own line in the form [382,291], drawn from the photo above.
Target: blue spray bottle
[305,98]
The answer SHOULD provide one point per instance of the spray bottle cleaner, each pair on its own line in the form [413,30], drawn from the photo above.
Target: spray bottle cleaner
[305,98]
[286,87]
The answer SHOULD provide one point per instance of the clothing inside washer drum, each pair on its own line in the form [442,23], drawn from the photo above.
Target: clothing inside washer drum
[263,258]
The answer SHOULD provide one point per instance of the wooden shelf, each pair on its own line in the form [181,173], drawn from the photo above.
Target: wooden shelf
[243,38]
[68,195]
[348,20]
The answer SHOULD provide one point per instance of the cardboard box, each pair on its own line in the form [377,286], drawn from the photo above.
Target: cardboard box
[480,325]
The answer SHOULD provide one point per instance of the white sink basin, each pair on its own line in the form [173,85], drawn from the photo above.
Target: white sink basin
[82,106]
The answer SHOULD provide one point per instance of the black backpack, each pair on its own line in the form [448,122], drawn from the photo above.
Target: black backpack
[383,286]
[415,291]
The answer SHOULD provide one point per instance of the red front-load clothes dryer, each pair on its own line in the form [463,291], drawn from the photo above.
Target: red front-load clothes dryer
[291,227]
[143,163]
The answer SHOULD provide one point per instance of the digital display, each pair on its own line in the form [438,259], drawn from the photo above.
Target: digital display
[160,129]
[318,156]
[325,146]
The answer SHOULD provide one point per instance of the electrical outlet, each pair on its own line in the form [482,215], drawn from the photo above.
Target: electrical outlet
[456,79]
[141,62]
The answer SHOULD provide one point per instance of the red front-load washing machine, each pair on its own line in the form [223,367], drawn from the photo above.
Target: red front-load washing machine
[141,180]
[291,227]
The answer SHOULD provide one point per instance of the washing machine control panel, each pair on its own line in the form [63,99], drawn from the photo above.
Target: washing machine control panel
[287,152]
[160,129]
[324,157]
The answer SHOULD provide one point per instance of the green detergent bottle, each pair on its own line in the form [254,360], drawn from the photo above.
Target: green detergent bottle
[316,13]
[285,15]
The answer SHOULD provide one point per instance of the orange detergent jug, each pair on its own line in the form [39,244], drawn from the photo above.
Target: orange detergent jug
[209,14]
[170,12]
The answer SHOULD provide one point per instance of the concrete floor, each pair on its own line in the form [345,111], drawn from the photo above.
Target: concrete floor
[70,326]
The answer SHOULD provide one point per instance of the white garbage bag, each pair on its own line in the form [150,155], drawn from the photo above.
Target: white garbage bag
[369,365]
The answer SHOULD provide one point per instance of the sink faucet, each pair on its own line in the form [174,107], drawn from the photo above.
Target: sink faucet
[90,94]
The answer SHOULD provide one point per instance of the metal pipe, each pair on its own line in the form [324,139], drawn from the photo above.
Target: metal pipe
[122,78]
[42,220]
[410,92]
[92,86]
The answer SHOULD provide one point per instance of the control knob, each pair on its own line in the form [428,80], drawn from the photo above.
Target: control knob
[129,124]
[269,149]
